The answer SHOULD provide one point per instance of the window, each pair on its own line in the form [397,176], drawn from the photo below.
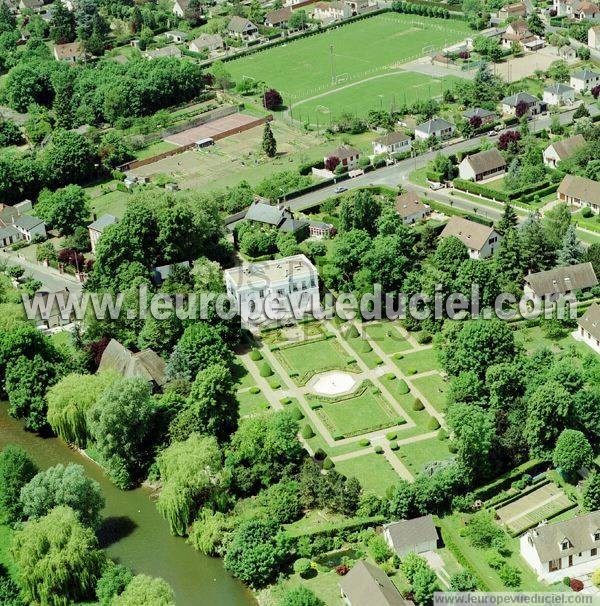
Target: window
[597,535]
[594,551]
[566,544]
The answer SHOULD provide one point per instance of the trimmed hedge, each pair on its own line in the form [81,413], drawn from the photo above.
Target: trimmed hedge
[488,192]
[255,355]
[328,464]
[489,490]
[462,560]
[254,390]
[307,432]
[418,405]
[265,370]
[333,528]
[433,424]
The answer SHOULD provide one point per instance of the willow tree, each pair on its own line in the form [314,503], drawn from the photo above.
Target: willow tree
[57,559]
[146,590]
[69,400]
[191,474]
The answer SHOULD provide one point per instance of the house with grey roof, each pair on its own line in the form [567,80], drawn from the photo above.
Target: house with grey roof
[411,208]
[588,327]
[559,94]
[16,226]
[487,164]
[368,585]
[532,104]
[561,150]
[411,536]
[563,549]
[436,127]
[146,364]
[96,228]
[485,115]
[176,36]
[550,285]
[580,192]
[278,17]
[481,240]
[584,80]
[392,143]
[240,27]
[206,42]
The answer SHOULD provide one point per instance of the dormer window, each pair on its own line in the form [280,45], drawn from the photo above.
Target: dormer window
[565,544]
[597,535]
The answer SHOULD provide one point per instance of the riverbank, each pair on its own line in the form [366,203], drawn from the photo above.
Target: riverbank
[133,533]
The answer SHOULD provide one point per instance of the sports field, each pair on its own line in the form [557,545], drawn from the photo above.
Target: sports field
[350,53]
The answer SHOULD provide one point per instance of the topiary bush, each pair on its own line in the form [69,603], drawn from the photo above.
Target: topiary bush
[320,454]
[433,424]
[394,445]
[307,432]
[392,435]
[255,355]
[390,376]
[442,435]
[424,337]
[453,448]
[265,370]
[297,414]
[352,332]
[365,346]
[302,566]
[411,371]
[254,390]
[364,442]
[418,405]
[403,387]
[275,383]
[328,464]
[379,449]
[286,401]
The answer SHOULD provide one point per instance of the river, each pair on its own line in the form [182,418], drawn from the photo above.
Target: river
[134,534]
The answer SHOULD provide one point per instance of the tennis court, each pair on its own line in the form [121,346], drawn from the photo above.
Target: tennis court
[211,129]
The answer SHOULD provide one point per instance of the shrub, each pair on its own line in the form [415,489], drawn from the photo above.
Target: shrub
[379,449]
[307,432]
[495,561]
[352,332]
[302,566]
[342,570]
[327,463]
[378,361]
[567,581]
[596,577]
[320,454]
[452,448]
[394,445]
[418,405]
[286,401]
[424,337]
[364,442]
[411,371]
[379,549]
[433,424]
[255,355]
[390,436]
[297,414]
[254,390]
[442,435]
[403,387]
[390,376]
[510,575]
[274,383]
[576,585]
[587,212]
[265,370]
[365,347]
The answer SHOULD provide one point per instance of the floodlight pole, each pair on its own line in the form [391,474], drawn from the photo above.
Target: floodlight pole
[331,61]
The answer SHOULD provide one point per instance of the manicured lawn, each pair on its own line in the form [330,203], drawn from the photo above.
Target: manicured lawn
[434,388]
[251,404]
[241,375]
[310,358]
[365,48]
[387,91]
[387,337]
[451,529]
[365,352]
[534,338]
[364,413]
[496,184]
[372,470]
[419,361]
[112,203]
[417,454]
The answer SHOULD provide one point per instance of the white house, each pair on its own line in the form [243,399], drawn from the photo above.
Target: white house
[347,155]
[559,94]
[392,143]
[271,291]
[480,239]
[411,536]
[483,165]
[586,11]
[180,7]
[594,37]
[550,285]
[327,11]
[411,208]
[209,42]
[437,127]
[96,228]
[533,104]
[561,150]
[584,80]
[240,27]
[580,192]
[555,550]
[588,329]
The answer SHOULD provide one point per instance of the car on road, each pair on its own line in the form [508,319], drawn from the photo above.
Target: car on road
[340,190]
[435,186]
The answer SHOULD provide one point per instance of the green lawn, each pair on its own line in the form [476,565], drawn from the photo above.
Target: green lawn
[154,150]
[251,404]
[496,184]
[387,337]
[303,68]
[434,388]
[313,357]
[241,375]
[533,339]
[112,203]
[372,470]
[361,414]
[419,361]
[417,454]
[387,92]
[366,353]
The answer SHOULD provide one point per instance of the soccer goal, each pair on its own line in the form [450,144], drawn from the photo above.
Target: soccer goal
[341,78]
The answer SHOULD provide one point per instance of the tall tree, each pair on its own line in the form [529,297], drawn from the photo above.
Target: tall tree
[16,469]
[63,83]
[537,251]
[57,559]
[269,145]
[572,251]
[62,24]
[572,452]
[65,209]
[556,223]
[146,590]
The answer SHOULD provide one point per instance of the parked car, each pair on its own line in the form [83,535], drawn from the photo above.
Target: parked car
[340,190]
[435,186]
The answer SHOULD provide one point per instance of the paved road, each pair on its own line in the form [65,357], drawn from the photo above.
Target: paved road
[50,278]
[395,175]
